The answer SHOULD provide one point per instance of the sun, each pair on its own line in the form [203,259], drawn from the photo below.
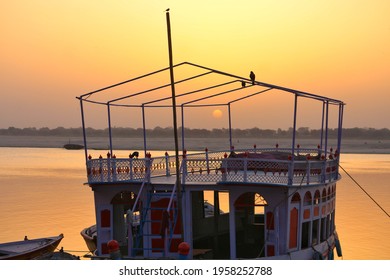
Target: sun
[217,114]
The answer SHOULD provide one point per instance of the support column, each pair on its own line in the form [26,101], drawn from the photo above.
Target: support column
[232,227]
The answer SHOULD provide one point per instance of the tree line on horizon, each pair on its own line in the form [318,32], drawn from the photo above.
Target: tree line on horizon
[303,132]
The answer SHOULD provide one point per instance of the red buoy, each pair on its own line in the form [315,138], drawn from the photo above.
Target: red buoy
[183,248]
[113,246]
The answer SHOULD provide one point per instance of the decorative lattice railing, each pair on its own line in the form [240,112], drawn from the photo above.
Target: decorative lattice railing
[265,166]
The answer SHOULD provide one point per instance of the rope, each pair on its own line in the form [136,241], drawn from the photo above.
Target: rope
[365,191]
[71,251]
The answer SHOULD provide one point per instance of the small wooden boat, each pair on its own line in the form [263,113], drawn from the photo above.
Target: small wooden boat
[90,237]
[71,146]
[29,249]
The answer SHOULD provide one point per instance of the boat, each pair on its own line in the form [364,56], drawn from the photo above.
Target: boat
[89,235]
[28,249]
[72,146]
[278,202]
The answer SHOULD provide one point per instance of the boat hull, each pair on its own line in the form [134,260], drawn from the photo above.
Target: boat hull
[29,249]
[89,235]
[73,146]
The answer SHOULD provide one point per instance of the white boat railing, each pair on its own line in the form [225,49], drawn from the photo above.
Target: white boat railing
[106,170]
[306,167]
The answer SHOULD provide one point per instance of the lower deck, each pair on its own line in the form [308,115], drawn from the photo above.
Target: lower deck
[218,221]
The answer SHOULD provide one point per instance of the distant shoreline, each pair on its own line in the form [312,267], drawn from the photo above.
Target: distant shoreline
[356,146]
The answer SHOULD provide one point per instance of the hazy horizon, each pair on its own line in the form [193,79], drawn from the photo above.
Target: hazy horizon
[167,132]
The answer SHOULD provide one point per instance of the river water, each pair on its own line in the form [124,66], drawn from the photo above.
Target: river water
[43,194]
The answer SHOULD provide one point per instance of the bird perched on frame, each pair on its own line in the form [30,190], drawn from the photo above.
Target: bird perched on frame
[252,76]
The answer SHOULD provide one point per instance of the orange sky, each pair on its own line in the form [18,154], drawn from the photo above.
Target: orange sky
[52,51]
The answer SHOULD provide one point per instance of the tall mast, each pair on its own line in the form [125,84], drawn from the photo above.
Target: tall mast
[178,181]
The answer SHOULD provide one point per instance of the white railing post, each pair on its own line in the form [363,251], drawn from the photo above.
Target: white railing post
[131,167]
[101,168]
[224,167]
[245,168]
[114,171]
[207,161]
[324,171]
[184,167]
[308,166]
[89,169]
[290,172]
[148,165]
[108,167]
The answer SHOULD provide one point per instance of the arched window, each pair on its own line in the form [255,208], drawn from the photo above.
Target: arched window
[324,195]
[296,198]
[317,197]
[307,199]
[250,211]
[294,221]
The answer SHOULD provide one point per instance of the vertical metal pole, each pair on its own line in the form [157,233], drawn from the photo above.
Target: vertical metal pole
[84,132]
[109,127]
[216,221]
[182,128]
[291,166]
[294,125]
[230,128]
[232,226]
[340,132]
[341,115]
[322,124]
[144,128]
[326,128]
[178,181]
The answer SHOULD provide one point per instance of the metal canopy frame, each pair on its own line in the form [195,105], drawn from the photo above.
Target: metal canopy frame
[192,100]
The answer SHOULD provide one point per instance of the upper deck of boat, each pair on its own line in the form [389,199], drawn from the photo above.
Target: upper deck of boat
[256,166]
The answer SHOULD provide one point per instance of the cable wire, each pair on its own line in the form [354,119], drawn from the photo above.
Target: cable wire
[365,191]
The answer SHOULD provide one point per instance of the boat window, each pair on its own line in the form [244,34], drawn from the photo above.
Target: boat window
[323,229]
[124,198]
[296,198]
[224,202]
[332,223]
[213,201]
[317,197]
[250,225]
[305,235]
[328,223]
[324,195]
[307,199]
[314,232]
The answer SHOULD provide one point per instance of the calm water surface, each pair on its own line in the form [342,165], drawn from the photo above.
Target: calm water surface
[43,194]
